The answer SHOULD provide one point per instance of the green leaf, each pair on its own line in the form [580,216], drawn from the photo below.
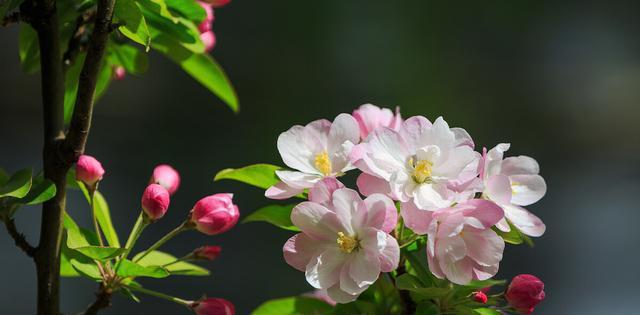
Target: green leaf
[86,268]
[28,49]
[132,59]
[188,9]
[486,311]
[71,80]
[77,236]
[103,215]
[100,252]
[201,67]
[356,307]
[158,258]
[185,32]
[128,268]
[427,309]
[104,79]
[42,190]
[413,284]
[18,184]
[277,215]
[159,7]
[134,25]
[511,237]
[7,6]
[259,175]
[292,306]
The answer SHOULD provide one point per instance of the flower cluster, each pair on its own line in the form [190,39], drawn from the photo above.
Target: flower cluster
[211,215]
[459,198]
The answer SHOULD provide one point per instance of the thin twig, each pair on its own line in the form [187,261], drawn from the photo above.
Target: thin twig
[19,238]
[103,300]
[79,40]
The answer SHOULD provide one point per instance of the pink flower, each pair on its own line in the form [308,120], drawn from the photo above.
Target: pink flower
[431,165]
[209,40]
[155,201]
[342,247]
[512,183]
[89,170]
[371,117]
[119,73]
[215,214]
[525,292]
[205,25]
[213,306]
[480,297]
[318,150]
[461,246]
[167,177]
[207,252]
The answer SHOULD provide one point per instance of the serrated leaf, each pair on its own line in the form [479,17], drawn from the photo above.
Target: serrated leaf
[412,283]
[277,215]
[292,306]
[202,67]
[259,175]
[158,258]
[18,184]
[128,268]
[134,25]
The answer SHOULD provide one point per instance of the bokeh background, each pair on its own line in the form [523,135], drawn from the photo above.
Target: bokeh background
[559,80]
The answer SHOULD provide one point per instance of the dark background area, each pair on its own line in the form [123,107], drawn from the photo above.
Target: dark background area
[559,80]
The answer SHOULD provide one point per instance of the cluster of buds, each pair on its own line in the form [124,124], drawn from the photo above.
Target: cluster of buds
[211,215]
[206,32]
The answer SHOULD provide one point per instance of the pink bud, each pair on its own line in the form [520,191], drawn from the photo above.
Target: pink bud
[89,170]
[207,252]
[215,214]
[524,293]
[205,25]
[480,297]
[209,40]
[155,201]
[371,117]
[167,177]
[119,73]
[213,306]
[217,3]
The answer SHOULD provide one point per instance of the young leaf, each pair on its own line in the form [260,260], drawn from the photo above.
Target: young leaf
[86,269]
[201,67]
[104,79]
[132,59]
[259,175]
[71,81]
[28,49]
[158,258]
[134,25]
[277,215]
[188,9]
[185,32]
[99,252]
[486,311]
[292,306]
[103,215]
[412,283]
[18,184]
[42,190]
[77,236]
[128,268]
[159,7]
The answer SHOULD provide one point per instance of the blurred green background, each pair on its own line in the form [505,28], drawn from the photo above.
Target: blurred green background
[560,80]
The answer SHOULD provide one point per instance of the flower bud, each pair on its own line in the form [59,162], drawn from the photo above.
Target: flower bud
[213,306]
[205,25]
[155,201]
[371,117]
[480,297]
[89,170]
[217,3]
[524,293]
[207,252]
[209,40]
[119,73]
[215,214]
[167,177]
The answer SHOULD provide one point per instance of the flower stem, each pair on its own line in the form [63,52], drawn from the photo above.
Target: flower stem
[182,227]
[160,295]
[137,229]
[92,192]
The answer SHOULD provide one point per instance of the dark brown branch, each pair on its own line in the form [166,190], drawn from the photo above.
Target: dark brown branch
[19,238]
[103,300]
[81,119]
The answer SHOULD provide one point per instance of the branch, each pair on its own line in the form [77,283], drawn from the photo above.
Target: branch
[81,119]
[79,40]
[103,300]
[19,238]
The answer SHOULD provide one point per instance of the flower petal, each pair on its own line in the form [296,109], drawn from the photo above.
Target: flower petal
[431,196]
[493,159]
[322,191]
[486,212]
[381,213]
[348,205]
[336,294]
[298,180]
[369,184]
[390,254]
[483,246]
[281,191]
[527,189]
[524,220]
[364,268]
[520,165]
[416,219]
[295,151]
[316,221]
[323,271]
[299,250]
[498,189]
[413,129]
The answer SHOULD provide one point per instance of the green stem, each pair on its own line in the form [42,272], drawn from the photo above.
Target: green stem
[141,223]
[164,239]
[410,241]
[92,192]
[160,295]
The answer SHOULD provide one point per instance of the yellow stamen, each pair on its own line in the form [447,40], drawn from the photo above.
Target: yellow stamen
[346,243]
[323,163]
[513,188]
[422,171]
